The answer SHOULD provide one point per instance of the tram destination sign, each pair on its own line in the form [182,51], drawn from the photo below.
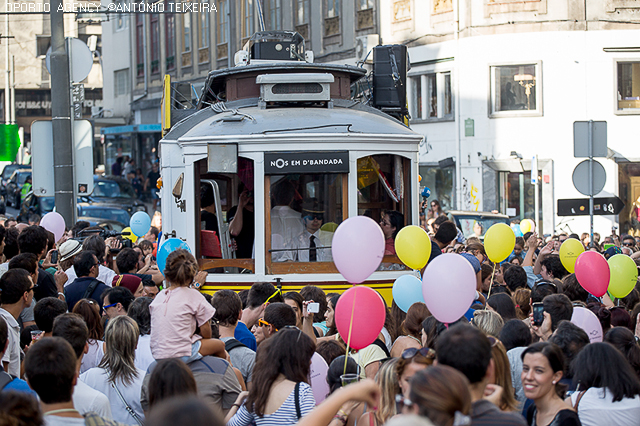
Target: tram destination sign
[278,163]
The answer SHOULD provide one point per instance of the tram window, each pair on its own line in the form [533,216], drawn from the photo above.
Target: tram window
[305,212]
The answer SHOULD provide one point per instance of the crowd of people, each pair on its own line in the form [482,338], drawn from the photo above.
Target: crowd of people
[102,337]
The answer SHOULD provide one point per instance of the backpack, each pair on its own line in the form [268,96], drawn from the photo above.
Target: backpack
[5,379]
[90,289]
[231,344]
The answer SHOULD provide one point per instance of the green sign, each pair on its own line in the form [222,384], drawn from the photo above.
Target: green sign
[9,142]
[469,127]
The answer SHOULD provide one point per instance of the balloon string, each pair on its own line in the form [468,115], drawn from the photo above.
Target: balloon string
[491,286]
[346,356]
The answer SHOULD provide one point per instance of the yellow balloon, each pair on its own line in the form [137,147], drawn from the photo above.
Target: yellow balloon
[131,235]
[527,225]
[413,246]
[499,242]
[569,252]
[623,275]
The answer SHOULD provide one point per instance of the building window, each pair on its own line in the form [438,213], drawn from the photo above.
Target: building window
[274,10]
[628,97]
[515,90]
[247,20]
[364,14]
[430,96]
[203,34]
[332,18]
[121,82]
[302,12]
[222,28]
[333,8]
[170,38]
[140,45]
[155,43]
[121,18]
[186,32]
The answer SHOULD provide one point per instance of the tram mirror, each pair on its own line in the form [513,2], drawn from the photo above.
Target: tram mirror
[222,158]
[177,187]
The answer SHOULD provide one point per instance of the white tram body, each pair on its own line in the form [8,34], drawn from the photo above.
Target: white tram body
[268,127]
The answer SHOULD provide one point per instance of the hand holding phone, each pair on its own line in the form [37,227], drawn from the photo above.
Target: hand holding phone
[54,256]
[538,314]
[313,308]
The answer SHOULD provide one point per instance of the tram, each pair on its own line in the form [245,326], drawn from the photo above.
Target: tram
[279,149]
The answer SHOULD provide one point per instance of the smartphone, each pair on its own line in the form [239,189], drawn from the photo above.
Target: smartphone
[538,314]
[313,308]
[54,256]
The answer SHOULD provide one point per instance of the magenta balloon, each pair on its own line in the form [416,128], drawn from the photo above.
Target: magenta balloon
[54,223]
[589,322]
[357,248]
[368,316]
[592,272]
[449,287]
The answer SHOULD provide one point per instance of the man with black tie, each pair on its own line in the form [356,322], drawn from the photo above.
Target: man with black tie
[311,243]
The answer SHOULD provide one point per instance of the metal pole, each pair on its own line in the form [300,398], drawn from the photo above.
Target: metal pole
[12,106]
[61,120]
[7,105]
[536,195]
[590,139]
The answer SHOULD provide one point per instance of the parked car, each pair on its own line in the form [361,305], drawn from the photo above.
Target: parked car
[14,186]
[114,191]
[476,224]
[34,204]
[116,216]
[9,169]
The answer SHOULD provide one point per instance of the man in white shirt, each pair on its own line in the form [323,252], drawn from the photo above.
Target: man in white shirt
[311,243]
[285,222]
[94,244]
[17,293]
[72,328]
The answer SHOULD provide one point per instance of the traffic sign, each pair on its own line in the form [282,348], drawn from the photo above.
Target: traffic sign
[581,178]
[581,139]
[580,206]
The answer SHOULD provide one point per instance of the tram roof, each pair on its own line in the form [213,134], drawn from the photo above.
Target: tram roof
[245,117]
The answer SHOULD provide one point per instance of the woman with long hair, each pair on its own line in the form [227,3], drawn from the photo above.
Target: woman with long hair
[623,339]
[412,361]
[489,322]
[503,304]
[90,313]
[542,369]
[441,394]
[608,388]
[117,376]
[391,223]
[279,380]
[294,300]
[170,378]
[522,299]
[502,376]
[410,331]
[387,379]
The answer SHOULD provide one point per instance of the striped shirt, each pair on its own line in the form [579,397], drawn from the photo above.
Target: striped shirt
[285,415]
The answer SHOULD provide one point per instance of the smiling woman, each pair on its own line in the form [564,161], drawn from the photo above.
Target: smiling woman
[542,367]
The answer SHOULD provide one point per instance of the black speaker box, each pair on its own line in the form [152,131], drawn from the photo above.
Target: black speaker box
[390,65]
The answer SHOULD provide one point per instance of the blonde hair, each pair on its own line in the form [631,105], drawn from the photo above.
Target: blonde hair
[489,322]
[121,338]
[503,377]
[388,380]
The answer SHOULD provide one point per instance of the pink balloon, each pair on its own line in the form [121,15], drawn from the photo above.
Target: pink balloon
[449,287]
[589,322]
[592,272]
[367,319]
[357,248]
[54,223]
[318,378]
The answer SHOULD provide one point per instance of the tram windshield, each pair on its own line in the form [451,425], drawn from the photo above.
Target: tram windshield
[305,211]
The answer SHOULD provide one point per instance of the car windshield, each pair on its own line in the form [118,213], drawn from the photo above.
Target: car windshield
[477,225]
[118,215]
[47,203]
[8,170]
[22,177]
[113,189]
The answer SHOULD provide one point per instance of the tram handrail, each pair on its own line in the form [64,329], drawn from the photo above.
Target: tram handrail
[231,263]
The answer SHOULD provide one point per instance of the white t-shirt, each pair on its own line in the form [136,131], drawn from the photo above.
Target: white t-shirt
[105,275]
[12,354]
[596,408]
[93,357]
[143,353]
[88,400]
[97,378]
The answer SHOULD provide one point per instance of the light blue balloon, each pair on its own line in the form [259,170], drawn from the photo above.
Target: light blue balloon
[167,248]
[406,291]
[140,223]
[517,230]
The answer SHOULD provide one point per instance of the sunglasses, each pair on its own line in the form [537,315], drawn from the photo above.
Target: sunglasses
[493,341]
[412,352]
[629,244]
[402,402]
[272,296]
[263,323]
[315,216]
